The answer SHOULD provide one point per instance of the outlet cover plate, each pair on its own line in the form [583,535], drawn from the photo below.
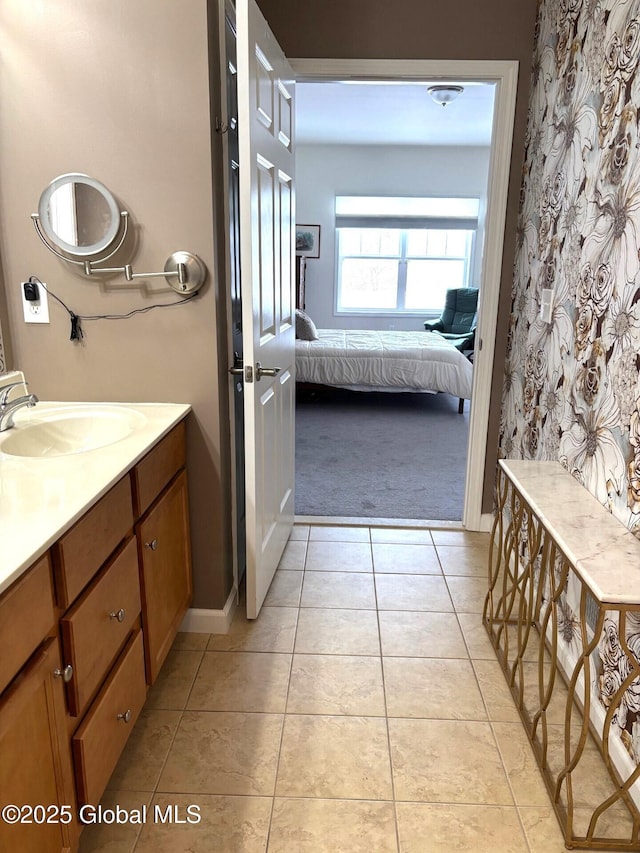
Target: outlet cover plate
[546,305]
[38,311]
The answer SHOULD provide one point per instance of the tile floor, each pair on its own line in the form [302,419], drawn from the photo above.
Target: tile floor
[363,711]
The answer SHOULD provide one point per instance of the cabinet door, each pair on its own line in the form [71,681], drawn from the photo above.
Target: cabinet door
[26,618]
[32,713]
[165,561]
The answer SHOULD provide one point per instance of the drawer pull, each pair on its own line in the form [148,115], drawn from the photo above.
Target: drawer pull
[118,614]
[126,717]
[65,674]
[153,544]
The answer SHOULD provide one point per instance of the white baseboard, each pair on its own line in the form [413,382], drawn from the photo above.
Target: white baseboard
[486,522]
[202,621]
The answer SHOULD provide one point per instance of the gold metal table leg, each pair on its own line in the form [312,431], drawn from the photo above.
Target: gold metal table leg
[526,604]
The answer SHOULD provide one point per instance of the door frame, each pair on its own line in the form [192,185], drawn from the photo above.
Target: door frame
[226,9]
[504,74]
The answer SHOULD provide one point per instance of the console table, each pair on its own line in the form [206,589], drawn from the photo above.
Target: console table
[563,614]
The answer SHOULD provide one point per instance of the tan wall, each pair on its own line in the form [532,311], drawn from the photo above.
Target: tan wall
[5,344]
[120,90]
[415,29]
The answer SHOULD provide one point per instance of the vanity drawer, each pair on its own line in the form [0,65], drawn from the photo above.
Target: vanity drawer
[27,604]
[153,472]
[78,555]
[99,741]
[95,629]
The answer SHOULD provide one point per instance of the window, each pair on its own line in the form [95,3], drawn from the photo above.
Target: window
[402,254]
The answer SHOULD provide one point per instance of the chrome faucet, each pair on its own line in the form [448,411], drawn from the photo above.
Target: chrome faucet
[8,409]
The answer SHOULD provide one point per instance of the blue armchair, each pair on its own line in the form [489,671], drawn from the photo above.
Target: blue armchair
[459,318]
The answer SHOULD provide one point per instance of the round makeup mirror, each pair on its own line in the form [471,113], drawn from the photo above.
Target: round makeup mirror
[79,220]
[79,215]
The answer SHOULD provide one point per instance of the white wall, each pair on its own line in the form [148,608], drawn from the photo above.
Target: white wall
[324,171]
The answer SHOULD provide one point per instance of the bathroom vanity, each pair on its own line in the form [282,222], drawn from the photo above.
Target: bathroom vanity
[95,580]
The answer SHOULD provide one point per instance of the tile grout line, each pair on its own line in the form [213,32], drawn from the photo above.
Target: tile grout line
[489,720]
[513,794]
[380,656]
[286,700]
[384,694]
[155,792]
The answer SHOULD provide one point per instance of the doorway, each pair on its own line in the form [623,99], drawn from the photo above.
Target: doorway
[234,296]
[504,75]
[412,176]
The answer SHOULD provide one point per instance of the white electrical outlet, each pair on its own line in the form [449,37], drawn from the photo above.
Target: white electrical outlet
[35,311]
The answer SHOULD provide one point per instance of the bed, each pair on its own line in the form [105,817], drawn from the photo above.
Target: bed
[422,362]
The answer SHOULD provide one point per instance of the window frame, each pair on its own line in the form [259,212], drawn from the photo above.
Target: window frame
[403,213]
[402,260]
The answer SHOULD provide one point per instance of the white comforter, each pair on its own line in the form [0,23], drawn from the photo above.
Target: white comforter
[384,361]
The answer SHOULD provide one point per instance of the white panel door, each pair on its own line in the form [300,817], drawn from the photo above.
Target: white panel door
[265,127]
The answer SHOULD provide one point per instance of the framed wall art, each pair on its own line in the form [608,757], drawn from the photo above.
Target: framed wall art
[308,240]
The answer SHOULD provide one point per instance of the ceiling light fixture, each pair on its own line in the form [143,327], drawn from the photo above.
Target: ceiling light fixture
[443,95]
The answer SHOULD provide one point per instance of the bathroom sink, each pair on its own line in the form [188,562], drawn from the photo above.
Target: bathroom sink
[64,430]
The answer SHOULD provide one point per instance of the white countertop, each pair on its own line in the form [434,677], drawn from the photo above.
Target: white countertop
[605,553]
[40,498]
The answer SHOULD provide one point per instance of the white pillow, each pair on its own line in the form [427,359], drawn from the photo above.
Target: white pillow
[305,327]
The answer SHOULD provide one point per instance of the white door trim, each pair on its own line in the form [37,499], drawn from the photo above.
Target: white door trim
[504,73]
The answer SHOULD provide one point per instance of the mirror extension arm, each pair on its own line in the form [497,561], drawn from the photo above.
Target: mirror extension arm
[184,271]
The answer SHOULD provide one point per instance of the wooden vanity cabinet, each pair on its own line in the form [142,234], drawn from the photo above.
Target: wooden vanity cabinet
[97,615]
[35,761]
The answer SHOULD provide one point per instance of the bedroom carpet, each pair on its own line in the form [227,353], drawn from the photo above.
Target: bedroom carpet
[377,455]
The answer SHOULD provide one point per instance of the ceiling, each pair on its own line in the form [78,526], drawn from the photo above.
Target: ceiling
[391,113]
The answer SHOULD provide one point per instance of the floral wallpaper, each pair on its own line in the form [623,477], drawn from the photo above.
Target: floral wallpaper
[612,668]
[572,386]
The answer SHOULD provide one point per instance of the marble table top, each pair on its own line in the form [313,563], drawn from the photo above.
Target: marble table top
[603,552]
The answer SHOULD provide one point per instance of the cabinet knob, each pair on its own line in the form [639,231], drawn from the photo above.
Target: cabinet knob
[65,674]
[126,717]
[153,544]
[118,614]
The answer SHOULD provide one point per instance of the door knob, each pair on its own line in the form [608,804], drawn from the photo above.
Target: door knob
[265,371]
[237,369]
